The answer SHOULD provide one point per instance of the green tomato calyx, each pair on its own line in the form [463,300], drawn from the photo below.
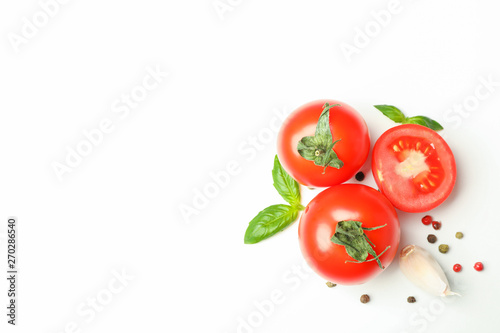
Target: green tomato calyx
[319,148]
[351,235]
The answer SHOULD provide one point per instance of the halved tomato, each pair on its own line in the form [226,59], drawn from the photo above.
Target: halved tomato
[413,167]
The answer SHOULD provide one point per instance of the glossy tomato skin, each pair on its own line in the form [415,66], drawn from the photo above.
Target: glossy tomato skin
[414,194]
[347,202]
[346,124]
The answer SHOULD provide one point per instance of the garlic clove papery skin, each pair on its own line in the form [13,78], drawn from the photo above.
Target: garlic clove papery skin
[423,270]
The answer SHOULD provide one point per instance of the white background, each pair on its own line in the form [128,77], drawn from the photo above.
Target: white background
[230,73]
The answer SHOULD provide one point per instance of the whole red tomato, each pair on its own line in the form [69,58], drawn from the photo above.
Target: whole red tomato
[332,208]
[348,129]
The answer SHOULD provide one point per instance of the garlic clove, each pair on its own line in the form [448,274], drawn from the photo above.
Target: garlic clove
[423,270]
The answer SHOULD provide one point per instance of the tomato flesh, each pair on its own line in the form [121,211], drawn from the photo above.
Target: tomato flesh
[341,203]
[413,167]
[418,161]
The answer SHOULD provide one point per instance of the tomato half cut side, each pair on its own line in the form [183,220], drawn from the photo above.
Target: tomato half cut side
[413,167]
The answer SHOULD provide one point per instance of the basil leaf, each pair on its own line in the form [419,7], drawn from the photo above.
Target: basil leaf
[397,116]
[286,186]
[391,112]
[424,121]
[277,217]
[271,220]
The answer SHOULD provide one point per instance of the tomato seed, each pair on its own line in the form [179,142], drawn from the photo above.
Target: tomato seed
[330,284]
[436,225]
[411,299]
[431,238]
[459,235]
[364,298]
[360,176]
[478,266]
[427,219]
[457,268]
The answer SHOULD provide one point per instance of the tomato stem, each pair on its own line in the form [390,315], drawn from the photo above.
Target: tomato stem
[374,258]
[319,148]
[351,235]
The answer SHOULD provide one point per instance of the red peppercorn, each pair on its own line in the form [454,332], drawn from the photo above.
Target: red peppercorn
[457,268]
[478,266]
[436,225]
[427,219]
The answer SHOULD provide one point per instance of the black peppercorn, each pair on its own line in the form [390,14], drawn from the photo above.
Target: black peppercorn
[360,176]
[432,238]
[364,298]
[411,299]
